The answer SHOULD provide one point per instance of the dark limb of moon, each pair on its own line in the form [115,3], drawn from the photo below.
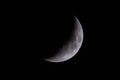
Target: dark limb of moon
[71,47]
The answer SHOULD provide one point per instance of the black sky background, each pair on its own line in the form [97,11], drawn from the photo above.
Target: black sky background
[38,31]
[33,30]
[45,30]
[53,30]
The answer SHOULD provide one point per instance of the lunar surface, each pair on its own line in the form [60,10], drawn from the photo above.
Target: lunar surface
[72,46]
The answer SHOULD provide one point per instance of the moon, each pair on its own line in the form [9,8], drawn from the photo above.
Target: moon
[71,48]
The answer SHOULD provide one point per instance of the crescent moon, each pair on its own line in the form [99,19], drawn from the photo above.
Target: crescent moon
[71,48]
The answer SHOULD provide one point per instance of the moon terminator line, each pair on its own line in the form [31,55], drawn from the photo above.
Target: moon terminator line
[71,48]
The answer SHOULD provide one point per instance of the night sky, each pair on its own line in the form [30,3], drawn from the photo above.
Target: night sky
[42,31]
[32,31]
[53,28]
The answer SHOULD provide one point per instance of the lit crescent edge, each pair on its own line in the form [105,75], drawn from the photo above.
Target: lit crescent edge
[71,48]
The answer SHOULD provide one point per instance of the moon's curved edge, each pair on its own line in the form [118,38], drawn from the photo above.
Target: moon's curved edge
[63,54]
